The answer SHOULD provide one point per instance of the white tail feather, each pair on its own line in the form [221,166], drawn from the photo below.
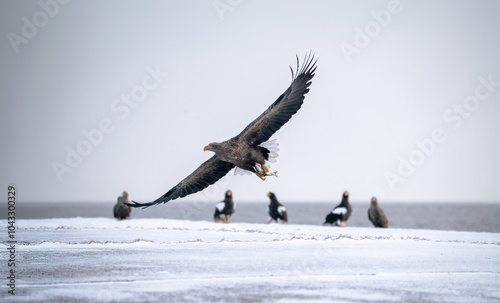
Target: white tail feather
[272,146]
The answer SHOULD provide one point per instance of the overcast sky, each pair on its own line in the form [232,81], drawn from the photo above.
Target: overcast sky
[103,96]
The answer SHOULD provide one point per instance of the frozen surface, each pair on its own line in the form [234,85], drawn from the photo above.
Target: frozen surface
[160,260]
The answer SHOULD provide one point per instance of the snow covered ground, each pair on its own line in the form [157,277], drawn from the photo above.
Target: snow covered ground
[158,260]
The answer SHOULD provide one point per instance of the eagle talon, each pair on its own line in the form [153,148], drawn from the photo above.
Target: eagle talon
[266,170]
[259,170]
[262,177]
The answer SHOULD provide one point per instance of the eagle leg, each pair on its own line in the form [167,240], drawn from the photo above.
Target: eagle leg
[260,171]
[266,170]
[263,178]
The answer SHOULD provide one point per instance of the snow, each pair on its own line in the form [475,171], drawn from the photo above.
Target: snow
[159,260]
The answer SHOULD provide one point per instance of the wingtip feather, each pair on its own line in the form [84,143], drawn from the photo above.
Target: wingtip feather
[143,205]
[308,66]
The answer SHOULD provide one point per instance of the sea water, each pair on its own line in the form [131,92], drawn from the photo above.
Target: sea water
[479,217]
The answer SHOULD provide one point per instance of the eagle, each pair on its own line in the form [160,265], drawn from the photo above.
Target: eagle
[224,209]
[277,211]
[247,151]
[339,215]
[377,215]
[121,210]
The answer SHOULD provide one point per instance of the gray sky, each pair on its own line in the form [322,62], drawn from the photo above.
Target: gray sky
[404,105]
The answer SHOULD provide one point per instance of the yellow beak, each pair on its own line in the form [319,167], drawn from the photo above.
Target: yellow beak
[207,148]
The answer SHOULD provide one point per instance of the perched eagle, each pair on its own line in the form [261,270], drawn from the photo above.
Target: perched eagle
[277,211]
[224,209]
[121,210]
[377,215]
[246,151]
[339,215]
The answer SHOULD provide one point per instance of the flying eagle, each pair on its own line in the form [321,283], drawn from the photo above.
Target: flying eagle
[246,151]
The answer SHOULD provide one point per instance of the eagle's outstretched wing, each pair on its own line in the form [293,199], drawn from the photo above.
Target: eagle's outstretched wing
[270,121]
[259,131]
[206,174]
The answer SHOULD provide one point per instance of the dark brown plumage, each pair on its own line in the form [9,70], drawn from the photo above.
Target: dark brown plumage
[121,210]
[244,150]
[377,215]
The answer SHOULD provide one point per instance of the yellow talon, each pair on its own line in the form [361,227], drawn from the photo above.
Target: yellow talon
[266,170]
[263,178]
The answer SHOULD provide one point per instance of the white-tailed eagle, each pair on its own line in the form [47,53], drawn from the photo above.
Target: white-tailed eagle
[247,151]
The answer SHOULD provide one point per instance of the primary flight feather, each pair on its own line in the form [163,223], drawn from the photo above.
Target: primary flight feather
[246,151]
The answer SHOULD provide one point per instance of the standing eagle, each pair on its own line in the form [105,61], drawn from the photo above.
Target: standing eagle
[247,151]
[277,211]
[339,215]
[377,215]
[224,209]
[121,210]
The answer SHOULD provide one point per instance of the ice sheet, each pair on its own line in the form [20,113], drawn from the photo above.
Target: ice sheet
[156,260]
